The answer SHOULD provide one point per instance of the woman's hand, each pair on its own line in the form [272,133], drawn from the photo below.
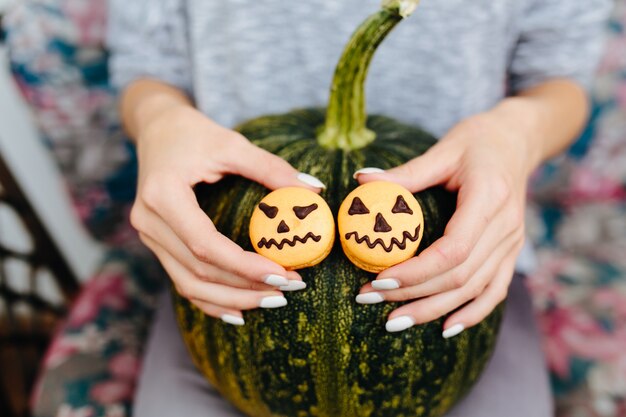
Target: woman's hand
[177,149]
[488,163]
[487,159]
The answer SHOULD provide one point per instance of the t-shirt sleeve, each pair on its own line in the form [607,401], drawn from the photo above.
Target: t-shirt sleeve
[559,39]
[148,38]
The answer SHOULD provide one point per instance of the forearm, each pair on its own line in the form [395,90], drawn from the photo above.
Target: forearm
[144,100]
[549,117]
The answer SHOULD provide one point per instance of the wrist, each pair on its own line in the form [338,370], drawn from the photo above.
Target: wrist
[146,101]
[523,116]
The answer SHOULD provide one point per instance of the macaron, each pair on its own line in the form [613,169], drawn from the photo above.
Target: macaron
[380,224]
[293,227]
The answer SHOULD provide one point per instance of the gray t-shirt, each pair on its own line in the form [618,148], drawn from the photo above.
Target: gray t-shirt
[453,58]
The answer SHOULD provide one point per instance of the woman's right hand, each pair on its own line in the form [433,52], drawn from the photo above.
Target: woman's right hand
[177,150]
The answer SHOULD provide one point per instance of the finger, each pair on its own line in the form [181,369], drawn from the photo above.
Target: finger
[177,207]
[201,271]
[449,281]
[228,316]
[436,166]
[295,282]
[221,295]
[425,310]
[491,249]
[436,306]
[476,311]
[270,170]
[475,209]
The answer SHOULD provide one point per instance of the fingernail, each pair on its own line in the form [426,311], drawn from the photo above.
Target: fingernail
[369,170]
[276,280]
[310,180]
[399,323]
[369,298]
[274,301]
[234,320]
[453,331]
[386,284]
[293,286]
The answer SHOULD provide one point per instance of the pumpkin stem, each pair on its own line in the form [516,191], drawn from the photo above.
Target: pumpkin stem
[345,126]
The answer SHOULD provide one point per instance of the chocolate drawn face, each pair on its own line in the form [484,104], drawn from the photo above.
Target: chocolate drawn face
[292,226]
[380,224]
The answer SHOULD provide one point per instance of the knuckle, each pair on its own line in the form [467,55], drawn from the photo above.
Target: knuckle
[200,251]
[137,218]
[239,270]
[455,254]
[236,146]
[521,241]
[501,295]
[183,291]
[516,218]
[500,190]
[143,238]
[199,271]
[458,279]
[150,193]
[206,309]
[460,252]
[473,292]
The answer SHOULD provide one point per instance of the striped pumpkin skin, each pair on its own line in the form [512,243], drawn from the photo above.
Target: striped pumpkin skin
[323,354]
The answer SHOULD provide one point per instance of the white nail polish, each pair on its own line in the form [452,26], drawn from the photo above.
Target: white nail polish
[453,331]
[385,284]
[274,301]
[310,180]
[234,320]
[369,170]
[293,286]
[276,280]
[399,324]
[369,298]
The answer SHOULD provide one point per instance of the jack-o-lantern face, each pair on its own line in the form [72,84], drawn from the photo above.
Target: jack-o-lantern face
[380,225]
[293,227]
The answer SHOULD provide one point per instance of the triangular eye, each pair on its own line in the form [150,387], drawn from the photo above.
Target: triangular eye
[357,207]
[401,206]
[270,211]
[302,212]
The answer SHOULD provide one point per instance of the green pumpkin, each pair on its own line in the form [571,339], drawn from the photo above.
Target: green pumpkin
[323,354]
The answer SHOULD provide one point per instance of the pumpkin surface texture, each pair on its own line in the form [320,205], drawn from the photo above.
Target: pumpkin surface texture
[323,354]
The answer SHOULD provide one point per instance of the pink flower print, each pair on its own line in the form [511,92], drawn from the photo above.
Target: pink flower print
[125,365]
[101,291]
[572,332]
[587,185]
[60,349]
[111,392]
[613,300]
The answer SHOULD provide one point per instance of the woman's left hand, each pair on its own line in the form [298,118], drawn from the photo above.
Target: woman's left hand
[488,163]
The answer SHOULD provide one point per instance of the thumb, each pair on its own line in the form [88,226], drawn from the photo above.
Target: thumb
[270,170]
[432,168]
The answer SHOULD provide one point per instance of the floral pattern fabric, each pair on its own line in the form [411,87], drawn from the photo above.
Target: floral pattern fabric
[60,64]
[577,220]
[92,366]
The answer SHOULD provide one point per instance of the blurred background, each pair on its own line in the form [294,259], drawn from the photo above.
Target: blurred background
[77,290]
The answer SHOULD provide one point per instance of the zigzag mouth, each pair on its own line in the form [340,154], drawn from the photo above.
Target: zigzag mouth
[268,243]
[394,241]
